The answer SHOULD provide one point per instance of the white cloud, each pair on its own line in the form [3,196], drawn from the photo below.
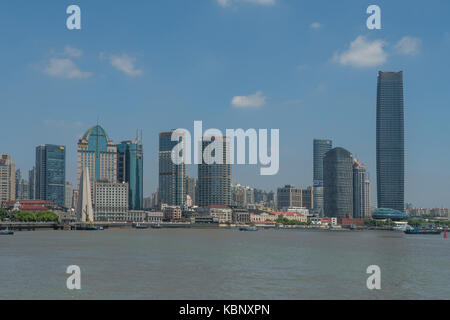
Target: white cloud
[362,53]
[226,3]
[72,52]
[65,68]
[125,64]
[255,100]
[315,25]
[408,45]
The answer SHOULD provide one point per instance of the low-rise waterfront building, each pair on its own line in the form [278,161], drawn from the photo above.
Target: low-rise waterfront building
[172,213]
[223,214]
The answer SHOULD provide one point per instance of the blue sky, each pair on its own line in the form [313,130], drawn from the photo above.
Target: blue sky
[307,68]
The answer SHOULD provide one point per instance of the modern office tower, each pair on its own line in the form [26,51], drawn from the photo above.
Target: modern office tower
[84,210]
[361,191]
[214,173]
[321,147]
[390,141]
[99,154]
[7,178]
[308,198]
[69,195]
[32,183]
[172,176]
[190,188]
[51,173]
[111,201]
[130,157]
[289,197]
[338,183]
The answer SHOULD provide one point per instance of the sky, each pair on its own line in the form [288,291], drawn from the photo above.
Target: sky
[307,68]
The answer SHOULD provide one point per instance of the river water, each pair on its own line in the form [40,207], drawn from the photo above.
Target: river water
[223,264]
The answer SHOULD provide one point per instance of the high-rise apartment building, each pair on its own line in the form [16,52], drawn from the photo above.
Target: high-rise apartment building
[390,141]
[321,147]
[338,183]
[51,173]
[214,173]
[7,178]
[172,176]
[130,158]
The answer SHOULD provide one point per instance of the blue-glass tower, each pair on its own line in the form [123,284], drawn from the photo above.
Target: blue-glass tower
[51,173]
[390,141]
[130,157]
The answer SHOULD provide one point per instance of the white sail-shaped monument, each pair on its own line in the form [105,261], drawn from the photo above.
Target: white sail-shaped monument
[85,213]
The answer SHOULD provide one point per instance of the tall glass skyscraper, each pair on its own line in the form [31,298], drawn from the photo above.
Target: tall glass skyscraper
[172,177]
[338,183]
[214,179]
[130,157]
[51,173]
[321,147]
[390,141]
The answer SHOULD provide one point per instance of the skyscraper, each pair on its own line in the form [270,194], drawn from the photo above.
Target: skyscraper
[214,173]
[51,173]
[99,154]
[338,183]
[7,178]
[321,147]
[130,157]
[361,191]
[390,141]
[172,176]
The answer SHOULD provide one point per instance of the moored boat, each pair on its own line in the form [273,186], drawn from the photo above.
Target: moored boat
[417,230]
[253,228]
[7,232]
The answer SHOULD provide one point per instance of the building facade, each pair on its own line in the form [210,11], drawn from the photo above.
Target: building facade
[69,195]
[214,173]
[361,191]
[289,196]
[7,178]
[308,198]
[338,183]
[51,173]
[111,201]
[390,141]
[130,157]
[172,176]
[321,147]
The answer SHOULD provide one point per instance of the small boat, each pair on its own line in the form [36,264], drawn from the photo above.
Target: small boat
[141,226]
[94,228]
[248,228]
[417,230]
[7,232]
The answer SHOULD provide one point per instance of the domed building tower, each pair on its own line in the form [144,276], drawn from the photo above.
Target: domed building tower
[99,154]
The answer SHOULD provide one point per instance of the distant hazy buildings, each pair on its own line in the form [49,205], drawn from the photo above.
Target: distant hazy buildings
[214,179]
[32,183]
[7,178]
[22,187]
[51,173]
[242,196]
[172,177]
[338,183]
[321,147]
[361,191]
[308,198]
[130,157]
[390,141]
[190,188]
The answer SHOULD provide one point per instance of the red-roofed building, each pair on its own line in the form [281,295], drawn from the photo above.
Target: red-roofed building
[31,205]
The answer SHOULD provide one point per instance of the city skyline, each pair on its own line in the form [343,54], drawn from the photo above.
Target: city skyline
[295,75]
